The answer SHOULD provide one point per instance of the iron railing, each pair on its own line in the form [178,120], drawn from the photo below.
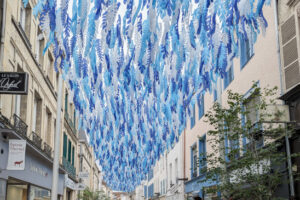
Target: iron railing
[19,125]
[47,150]
[69,167]
[37,140]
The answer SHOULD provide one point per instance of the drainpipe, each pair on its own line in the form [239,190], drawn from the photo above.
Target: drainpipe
[2,40]
[278,45]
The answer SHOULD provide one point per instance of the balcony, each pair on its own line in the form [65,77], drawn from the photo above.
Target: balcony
[20,126]
[69,167]
[37,140]
[70,123]
[47,150]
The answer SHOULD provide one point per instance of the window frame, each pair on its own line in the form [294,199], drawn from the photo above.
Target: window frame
[246,51]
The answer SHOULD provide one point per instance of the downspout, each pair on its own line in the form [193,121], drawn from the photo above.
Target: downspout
[278,45]
[2,41]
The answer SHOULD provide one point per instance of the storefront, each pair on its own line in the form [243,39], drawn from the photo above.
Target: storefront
[32,183]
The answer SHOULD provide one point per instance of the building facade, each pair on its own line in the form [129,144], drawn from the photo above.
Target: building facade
[32,117]
[289,43]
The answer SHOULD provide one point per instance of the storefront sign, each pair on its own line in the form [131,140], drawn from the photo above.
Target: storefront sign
[16,155]
[69,183]
[38,170]
[83,175]
[13,83]
[80,186]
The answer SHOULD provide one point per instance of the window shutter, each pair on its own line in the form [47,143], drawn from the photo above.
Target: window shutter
[69,150]
[73,149]
[290,53]
[65,146]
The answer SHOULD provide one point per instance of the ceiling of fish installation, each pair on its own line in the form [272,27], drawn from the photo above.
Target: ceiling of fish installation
[136,68]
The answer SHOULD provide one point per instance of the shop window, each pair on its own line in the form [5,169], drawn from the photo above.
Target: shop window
[16,190]
[37,193]
[40,47]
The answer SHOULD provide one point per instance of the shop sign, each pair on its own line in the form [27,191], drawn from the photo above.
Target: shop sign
[13,83]
[83,175]
[16,155]
[38,170]
[69,183]
[80,186]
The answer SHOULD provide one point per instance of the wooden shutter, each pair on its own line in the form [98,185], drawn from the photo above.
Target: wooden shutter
[65,146]
[73,149]
[290,52]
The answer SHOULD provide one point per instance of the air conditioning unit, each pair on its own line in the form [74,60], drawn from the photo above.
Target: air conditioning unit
[289,44]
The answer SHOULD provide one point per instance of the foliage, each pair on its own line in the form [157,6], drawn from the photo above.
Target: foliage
[247,158]
[87,194]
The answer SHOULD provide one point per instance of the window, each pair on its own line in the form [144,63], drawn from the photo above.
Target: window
[48,126]
[246,51]
[215,93]
[37,114]
[66,102]
[151,191]
[201,105]
[65,146]
[73,150]
[176,169]
[25,19]
[194,161]
[150,174]
[69,150]
[40,47]
[228,78]
[50,68]
[202,153]
[145,191]
[171,177]
[193,117]
[252,116]
[231,147]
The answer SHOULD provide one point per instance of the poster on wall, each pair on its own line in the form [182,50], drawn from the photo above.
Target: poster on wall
[16,155]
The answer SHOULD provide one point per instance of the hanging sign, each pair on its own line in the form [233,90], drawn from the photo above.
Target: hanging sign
[13,83]
[80,186]
[83,175]
[16,155]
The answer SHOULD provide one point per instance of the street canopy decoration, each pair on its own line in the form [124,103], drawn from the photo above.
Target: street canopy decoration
[136,69]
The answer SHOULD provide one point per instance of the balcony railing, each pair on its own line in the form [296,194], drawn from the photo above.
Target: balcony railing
[69,167]
[37,140]
[70,123]
[47,150]
[19,125]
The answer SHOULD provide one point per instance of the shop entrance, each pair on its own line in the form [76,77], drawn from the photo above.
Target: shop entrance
[18,190]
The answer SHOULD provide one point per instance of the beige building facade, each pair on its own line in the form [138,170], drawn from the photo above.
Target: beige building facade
[32,117]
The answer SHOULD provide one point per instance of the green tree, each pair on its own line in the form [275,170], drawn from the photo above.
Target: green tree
[247,159]
[87,194]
